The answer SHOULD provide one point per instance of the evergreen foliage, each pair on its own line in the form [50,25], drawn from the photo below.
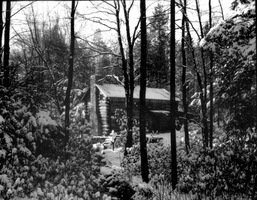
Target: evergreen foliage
[158,41]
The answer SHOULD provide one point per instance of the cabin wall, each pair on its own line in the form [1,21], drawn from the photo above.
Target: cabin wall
[114,105]
[155,121]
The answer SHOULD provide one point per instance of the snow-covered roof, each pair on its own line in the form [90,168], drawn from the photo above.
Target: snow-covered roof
[118,91]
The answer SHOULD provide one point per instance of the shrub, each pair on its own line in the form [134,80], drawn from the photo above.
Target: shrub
[76,173]
[158,160]
[16,147]
[58,173]
[228,169]
[120,119]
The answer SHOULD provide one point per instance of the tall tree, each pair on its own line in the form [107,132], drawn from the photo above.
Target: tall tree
[232,43]
[1,34]
[7,44]
[255,86]
[202,84]
[158,42]
[127,63]
[211,82]
[255,188]
[126,44]
[184,83]
[172,95]
[143,149]
[221,10]
[130,102]
[43,56]
[70,74]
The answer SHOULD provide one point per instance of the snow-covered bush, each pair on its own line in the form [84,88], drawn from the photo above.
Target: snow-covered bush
[16,146]
[74,173]
[158,160]
[233,44]
[160,191]
[120,119]
[229,169]
[226,171]
[61,172]
[118,186]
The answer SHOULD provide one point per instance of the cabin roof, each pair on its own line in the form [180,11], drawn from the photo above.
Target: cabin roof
[118,91]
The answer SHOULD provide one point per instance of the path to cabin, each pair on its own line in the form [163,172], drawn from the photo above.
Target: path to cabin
[113,158]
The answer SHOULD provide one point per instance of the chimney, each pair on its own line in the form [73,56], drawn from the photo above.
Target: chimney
[94,115]
[93,108]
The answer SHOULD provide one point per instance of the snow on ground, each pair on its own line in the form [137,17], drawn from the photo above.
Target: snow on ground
[166,137]
[113,160]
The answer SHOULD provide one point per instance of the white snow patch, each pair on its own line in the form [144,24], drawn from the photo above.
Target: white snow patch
[40,192]
[24,150]
[1,188]
[14,151]
[8,140]
[44,119]
[30,136]
[21,110]
[2,153]
[1,119]
[4,178]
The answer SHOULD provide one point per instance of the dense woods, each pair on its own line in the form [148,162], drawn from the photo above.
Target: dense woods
[203,54]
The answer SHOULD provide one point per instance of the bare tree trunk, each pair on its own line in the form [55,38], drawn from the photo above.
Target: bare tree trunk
[256,83]
[125,75]
[130,109]
[70,74]
[211,83]
[203,87]
[221,10]
[6,44]
[173,110]
[1,35]
[143,148]
[127,66]
[200,85]
[184,85]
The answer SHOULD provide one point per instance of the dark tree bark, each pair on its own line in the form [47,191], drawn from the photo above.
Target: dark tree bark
[184,84]
[1,35]
[129,109]
[70,73]
[173,110]
[127,62]
[203,87]
[6,68]
[200,85]
[253,195]
[143,148]
[127,65]
[221,10]
[211,82]
[130,100]
[255,179]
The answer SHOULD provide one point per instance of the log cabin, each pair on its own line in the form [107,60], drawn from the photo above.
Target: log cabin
[103,100]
